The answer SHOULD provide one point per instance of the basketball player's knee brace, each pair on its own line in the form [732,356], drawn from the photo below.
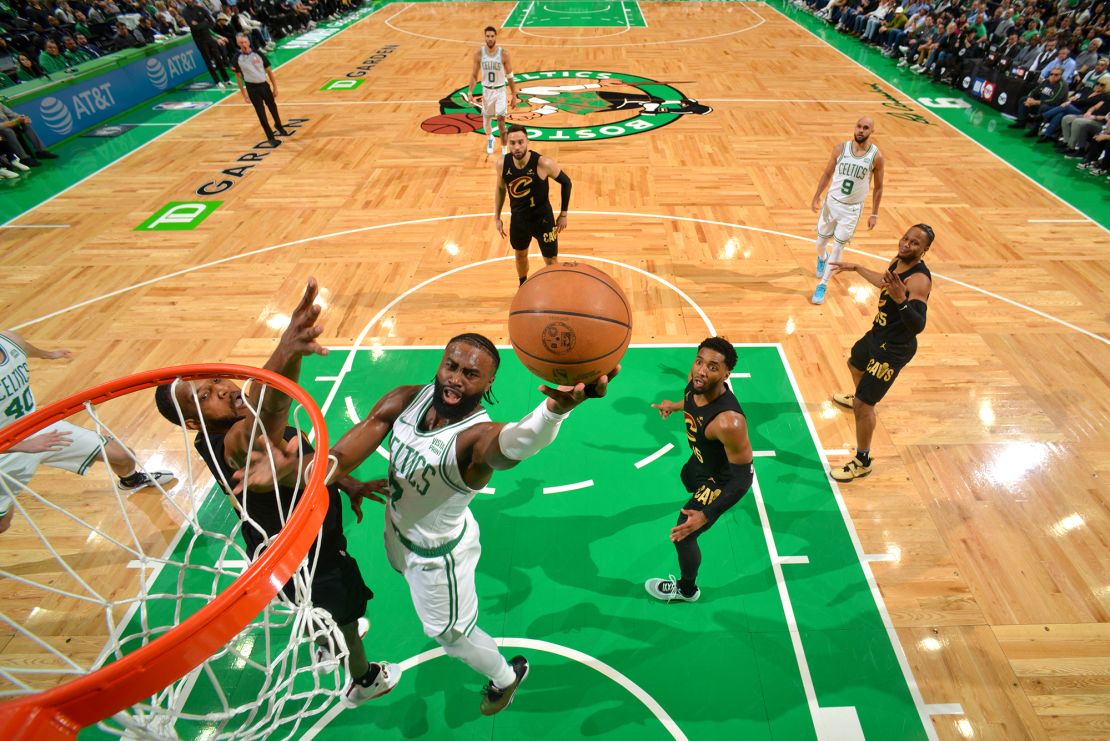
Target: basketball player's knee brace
[523,439]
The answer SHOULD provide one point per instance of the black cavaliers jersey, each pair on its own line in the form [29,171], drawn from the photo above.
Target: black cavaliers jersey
[527,190]
[707,457]
[267,514]
[888,328]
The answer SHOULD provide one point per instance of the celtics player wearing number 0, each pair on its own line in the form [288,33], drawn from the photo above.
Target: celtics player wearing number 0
[59,445]
[494,69]
[443,449]
[852,167]
[523,175]
[719,471]
[890,344]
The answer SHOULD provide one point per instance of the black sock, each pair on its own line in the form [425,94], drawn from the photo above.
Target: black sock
[864,456]
[368,678]
[522,279]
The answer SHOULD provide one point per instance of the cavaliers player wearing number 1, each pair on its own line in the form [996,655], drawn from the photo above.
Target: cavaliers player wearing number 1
[719,471]
[891,343]
[523,175]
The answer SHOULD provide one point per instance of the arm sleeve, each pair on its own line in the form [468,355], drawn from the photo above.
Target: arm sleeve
[735,489]
[564,181]
[912,313]
[523,439]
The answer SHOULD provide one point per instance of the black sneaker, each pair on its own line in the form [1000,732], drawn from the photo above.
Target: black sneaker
[283,132]
[495,699]
[44,155]
[140,480]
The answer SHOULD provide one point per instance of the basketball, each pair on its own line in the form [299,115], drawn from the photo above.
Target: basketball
[570,323]
[453,123]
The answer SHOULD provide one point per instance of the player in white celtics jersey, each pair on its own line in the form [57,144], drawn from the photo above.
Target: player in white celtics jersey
[851,170]
[494,69]
[443,449]
[60,445]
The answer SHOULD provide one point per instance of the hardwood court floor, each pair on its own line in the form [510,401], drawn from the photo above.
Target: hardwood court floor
[987,509]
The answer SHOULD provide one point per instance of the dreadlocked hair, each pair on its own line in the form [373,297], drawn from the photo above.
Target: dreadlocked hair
[482,343]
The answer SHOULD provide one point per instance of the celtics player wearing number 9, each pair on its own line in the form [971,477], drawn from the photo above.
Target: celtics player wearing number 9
[523,175]
[852,167]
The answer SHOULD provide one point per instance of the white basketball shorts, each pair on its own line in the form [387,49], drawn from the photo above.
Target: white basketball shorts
[442,586]
[16,469]
[494,102]
[838,220]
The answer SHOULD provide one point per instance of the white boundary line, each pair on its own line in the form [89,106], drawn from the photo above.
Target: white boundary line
[127,154]
[934,115]
[433,219]
[568,487]
[876,595]
[655,456]
[552,648]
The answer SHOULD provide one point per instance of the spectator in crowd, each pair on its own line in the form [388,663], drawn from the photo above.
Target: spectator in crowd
[1092,78]
[51,59]
[1064,61]
[1096,161]
[1043,56]
[74,54]
[87,46]
[27,69]
[1076,104]
[1027,57]
[1077,129]
[920,43]
[1044,95]
[125,38]
[80,25]
[19,135]
[1086,60]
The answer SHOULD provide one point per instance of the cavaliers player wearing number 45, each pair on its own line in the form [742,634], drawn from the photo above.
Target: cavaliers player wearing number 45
[719,471]
[523,175]
[891,343]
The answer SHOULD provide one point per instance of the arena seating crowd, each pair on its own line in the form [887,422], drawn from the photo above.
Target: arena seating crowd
[47,39]
[1057,49]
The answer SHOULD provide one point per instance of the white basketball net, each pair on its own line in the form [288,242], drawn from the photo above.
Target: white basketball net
[266,683]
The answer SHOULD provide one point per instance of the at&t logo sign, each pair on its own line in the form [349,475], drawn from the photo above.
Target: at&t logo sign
[55,115]
[156,73]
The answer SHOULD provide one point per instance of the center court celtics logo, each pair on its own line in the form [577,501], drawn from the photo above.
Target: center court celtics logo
[609,104]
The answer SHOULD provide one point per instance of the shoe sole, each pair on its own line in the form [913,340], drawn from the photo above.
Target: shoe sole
[845,481]
[842,404]
[527,671]
[348,704]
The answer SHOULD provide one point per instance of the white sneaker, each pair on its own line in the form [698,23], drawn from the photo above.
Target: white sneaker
[221,85]
[19,165]
[326,662]
[666,590]
[489,145]
[388,677]
[6,173]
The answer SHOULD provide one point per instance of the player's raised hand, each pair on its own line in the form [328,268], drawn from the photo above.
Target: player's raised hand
[300,336]
[565,398]
[695,520]
[895,287]
[258,474]
[44,443]
[666,408]
[359,490]
[846,267]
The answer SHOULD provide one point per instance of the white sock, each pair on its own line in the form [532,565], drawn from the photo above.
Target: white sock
[479,652]
[834,256]
[823,247]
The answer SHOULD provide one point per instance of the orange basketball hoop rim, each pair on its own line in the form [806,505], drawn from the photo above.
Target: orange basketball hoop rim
[61,712]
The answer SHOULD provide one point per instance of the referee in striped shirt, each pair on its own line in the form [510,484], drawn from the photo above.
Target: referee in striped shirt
[252,69]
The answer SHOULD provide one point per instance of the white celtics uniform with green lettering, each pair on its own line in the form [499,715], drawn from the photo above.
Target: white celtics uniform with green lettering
[493,84]
[430,535]
[17,401]
[851,182]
